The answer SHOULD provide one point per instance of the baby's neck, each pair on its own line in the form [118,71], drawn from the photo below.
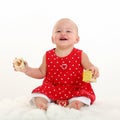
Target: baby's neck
[63,52]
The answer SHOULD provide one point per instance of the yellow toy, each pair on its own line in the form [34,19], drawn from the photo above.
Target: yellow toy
[88,77]
[19,64]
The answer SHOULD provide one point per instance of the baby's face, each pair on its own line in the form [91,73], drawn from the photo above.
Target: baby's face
[65,32]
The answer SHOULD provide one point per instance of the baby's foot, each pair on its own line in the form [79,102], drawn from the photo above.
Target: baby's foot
[41,103]
[75,104]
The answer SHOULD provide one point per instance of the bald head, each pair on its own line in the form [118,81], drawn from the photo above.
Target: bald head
[68,21]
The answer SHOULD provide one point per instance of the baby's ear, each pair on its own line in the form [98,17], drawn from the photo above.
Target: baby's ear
[52,39]
[77,39]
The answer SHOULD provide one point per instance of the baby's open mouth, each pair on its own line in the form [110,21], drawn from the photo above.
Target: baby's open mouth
[63,39]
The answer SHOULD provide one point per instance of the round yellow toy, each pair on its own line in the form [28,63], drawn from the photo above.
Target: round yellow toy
[88,77]
[19,64]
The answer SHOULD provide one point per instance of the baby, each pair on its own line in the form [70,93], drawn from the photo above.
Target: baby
[62,69]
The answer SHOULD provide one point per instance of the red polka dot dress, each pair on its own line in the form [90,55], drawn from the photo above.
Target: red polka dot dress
[64,77]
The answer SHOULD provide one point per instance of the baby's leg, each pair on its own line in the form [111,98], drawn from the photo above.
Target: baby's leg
[41,103]
[76,104]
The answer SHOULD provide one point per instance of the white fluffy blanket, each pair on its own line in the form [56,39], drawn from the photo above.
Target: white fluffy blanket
[21,109]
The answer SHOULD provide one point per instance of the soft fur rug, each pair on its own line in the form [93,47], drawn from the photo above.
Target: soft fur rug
[21,109]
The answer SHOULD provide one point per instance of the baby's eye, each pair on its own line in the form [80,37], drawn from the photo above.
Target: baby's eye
[68,31]
[58,31]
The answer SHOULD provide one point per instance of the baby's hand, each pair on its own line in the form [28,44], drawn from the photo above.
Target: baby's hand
[95,72]
[19,64]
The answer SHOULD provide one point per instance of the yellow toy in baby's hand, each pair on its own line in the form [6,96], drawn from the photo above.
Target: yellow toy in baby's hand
[19,64]
[88,77]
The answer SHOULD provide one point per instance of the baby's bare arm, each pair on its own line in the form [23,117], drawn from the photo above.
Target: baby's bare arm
[89,66]
[38,73]
[22,66]
[85,61]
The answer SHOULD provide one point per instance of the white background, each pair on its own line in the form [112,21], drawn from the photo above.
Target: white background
[25,31]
